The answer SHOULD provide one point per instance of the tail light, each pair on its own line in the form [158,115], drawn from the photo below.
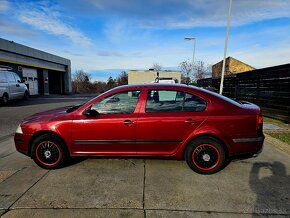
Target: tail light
[259,123]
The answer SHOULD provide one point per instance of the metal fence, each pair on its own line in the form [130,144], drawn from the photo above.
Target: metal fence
[269,88]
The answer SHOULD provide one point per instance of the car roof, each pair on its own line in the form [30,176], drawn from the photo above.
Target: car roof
[155,85]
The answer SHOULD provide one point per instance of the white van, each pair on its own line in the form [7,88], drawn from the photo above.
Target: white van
[11,87]
[165,80]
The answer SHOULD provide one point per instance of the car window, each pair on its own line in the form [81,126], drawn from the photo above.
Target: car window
[193,103]
[120,103]
[173,101]
[17,77]
[10,77]
[2,78]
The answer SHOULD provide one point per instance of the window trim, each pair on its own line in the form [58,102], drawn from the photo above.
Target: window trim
[175,90]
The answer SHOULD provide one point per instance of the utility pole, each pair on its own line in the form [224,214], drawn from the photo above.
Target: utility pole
[225,49]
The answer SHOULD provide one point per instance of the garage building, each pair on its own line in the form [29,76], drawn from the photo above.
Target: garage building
[43,73]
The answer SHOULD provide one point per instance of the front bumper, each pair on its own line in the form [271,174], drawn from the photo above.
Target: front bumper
[21,143]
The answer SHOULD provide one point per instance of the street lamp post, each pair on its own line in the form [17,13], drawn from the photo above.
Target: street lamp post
[194,41]
[225,49]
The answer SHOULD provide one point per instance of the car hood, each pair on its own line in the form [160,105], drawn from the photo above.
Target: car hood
[47,115]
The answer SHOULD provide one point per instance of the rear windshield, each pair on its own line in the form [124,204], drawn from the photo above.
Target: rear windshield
[224,98]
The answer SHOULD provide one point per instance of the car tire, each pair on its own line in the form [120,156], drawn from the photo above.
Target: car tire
[205,155]
[49,151]
[5,99]
[26,95]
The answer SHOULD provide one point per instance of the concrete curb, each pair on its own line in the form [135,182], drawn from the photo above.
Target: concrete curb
[278,144]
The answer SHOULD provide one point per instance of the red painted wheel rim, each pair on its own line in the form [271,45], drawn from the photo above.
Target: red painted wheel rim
[206,157]
[48,153]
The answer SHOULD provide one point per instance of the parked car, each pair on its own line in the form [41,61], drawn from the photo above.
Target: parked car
[176,122]
[11,87]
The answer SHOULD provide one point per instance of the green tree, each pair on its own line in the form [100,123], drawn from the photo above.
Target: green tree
[111,83]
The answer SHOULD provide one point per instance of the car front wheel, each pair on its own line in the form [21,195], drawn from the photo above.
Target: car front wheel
[205,155]
[48,151]
[26,95]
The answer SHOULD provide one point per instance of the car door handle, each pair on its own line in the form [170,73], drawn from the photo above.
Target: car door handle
[128,122]
[17,85]
[189,121]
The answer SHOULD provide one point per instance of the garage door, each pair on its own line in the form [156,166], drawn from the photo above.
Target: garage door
[30,78]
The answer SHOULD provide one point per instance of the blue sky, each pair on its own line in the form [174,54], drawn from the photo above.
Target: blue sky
[105,36]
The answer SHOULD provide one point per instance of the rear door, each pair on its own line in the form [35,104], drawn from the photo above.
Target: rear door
[167,118]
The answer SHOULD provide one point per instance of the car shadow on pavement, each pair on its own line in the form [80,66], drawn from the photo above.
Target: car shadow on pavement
[74,161]
[272,186]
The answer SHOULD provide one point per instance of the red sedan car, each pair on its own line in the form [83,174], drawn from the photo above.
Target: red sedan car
[154,120]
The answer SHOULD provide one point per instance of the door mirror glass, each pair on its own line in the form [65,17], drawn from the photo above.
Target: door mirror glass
[90,112]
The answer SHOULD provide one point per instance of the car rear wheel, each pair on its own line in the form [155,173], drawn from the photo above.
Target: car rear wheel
[205,155]
[5,99]
[48,151]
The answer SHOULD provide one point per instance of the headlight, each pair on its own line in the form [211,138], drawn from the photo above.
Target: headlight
[19,130]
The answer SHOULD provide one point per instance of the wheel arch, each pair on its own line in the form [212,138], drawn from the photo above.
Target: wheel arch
[39,133]
[214,137]
[5,93]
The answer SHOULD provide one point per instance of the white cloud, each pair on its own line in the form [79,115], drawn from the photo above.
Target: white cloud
[191,13]
[47,19]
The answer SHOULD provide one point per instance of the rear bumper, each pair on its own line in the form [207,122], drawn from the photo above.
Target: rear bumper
[258,139]
[247,147]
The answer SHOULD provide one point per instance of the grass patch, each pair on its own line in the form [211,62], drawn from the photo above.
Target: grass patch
[273,121]
[282,136]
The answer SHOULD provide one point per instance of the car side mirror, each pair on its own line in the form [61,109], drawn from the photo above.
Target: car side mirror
[90,112]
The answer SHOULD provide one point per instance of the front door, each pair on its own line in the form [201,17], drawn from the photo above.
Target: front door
[12,85]
[113,131]
[168,119]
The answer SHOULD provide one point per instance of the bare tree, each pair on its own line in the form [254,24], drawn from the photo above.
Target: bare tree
[156,67]
[81,81]
[99,86]
[122,79]
[186,69]
[202,70]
